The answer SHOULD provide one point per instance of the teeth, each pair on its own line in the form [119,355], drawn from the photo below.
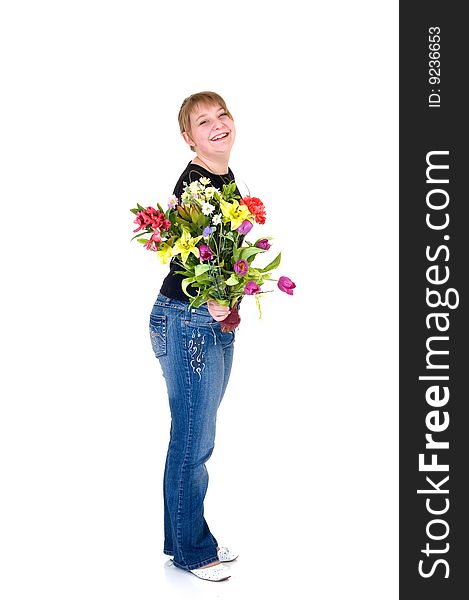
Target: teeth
[218,137]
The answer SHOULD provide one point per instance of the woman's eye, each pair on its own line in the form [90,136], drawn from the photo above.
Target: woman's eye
[223,114]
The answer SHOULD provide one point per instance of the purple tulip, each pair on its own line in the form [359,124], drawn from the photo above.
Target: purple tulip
[241,267]
[245,227]
[286,285]
[251,288]
[264,244]
[205,252]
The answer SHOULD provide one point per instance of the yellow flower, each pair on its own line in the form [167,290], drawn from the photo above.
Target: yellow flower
[165,252]
[185,245]
[234,212]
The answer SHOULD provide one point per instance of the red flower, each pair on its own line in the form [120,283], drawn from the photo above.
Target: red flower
[231,321]
[150,217]
[141,220]
[255,207]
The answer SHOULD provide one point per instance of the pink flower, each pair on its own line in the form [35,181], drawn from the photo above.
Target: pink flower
[245,227]
[264,244]
[241,267]
[286,285]
[152,243]
[251,288]
[205,252]
[156,237]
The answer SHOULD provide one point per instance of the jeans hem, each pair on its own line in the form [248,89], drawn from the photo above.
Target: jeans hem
[198,565]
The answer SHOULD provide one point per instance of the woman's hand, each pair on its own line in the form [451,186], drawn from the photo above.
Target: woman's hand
[218,312]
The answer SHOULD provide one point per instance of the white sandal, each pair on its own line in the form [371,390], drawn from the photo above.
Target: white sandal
[215,573]
[226,555]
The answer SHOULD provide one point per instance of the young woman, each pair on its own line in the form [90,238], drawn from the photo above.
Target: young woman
[196,358]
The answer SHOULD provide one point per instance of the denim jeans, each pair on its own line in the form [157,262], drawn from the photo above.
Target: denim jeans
[195,357]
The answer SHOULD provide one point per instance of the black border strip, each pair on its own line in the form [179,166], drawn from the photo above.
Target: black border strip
[433,254]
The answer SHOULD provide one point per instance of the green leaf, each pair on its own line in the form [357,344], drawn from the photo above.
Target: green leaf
[198,300]
[199,269]
[185,284]
[272,265]
[140,234]
[250,251]
[185,273]
[202,279]
[232,280]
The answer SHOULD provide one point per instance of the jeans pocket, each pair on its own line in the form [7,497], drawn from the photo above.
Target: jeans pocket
[200,319]
[158,334]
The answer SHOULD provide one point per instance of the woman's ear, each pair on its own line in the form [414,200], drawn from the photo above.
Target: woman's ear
[187,138]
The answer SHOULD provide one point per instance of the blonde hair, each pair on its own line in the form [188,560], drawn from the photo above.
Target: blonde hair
[192,102]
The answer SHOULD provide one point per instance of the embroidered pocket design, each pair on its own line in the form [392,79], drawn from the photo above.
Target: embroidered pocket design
[196,350]
[158,334]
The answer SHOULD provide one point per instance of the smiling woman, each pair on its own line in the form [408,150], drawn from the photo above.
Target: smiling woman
[195,355]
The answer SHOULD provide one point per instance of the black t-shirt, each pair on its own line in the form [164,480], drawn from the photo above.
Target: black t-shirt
[172,283]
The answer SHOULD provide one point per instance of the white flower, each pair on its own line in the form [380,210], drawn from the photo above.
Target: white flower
[207,208]
[209,192]
[194,187]
[217,219]
[204,180]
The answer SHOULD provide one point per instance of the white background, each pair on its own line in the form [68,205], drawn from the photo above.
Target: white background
[303,479]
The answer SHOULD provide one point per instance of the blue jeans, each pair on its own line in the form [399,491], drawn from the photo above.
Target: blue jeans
[195,357]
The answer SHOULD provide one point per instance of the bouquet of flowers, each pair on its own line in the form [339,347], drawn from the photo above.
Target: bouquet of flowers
[204,231]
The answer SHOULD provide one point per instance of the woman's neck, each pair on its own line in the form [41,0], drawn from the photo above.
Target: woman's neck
[216,166]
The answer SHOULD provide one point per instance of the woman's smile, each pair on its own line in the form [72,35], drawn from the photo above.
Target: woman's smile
[220,136]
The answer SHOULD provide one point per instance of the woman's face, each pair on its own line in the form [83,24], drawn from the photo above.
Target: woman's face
[212,130]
